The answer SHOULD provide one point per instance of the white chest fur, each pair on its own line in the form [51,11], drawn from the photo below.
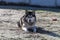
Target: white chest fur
[26,26]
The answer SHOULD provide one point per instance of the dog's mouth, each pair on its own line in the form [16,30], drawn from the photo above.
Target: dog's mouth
[30,23]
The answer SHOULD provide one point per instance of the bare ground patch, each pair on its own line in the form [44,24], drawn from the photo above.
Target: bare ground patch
[48,29]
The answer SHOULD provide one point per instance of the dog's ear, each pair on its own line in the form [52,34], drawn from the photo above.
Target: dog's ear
[33,12]
[26,12]
[30,12]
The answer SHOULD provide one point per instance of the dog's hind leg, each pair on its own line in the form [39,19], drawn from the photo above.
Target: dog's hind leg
[18,23]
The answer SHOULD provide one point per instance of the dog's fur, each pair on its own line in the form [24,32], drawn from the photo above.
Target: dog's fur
[28,21]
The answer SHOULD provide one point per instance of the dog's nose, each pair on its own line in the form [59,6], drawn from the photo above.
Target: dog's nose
[29,20]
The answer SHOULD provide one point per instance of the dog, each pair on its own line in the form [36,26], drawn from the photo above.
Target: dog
[28,21]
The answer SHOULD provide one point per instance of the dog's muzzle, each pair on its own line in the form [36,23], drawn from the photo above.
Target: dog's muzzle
[31,22]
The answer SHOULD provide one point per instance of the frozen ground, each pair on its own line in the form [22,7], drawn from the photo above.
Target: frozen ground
[48,29]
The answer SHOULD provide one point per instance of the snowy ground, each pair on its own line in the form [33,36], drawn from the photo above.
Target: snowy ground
[48,29]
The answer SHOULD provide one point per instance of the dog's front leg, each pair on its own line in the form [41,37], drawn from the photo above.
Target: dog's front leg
[24,28]
[34,29]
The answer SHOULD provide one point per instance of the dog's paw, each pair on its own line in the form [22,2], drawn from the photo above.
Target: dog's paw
[34,29]
[24,29]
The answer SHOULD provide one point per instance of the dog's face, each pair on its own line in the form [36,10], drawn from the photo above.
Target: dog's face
[30,18]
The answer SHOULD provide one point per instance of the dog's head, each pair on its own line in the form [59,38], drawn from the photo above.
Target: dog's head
[30,18]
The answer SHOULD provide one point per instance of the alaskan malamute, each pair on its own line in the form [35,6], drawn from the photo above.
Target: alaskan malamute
[28,21]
